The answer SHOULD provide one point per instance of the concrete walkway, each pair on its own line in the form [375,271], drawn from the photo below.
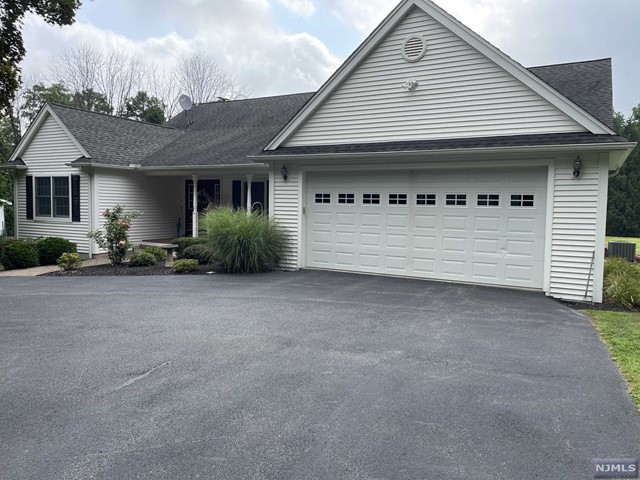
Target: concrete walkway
[35,271]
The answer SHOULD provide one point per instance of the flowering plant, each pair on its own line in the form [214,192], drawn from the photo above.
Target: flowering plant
[115,239]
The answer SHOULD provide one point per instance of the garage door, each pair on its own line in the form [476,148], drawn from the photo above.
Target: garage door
[479,226]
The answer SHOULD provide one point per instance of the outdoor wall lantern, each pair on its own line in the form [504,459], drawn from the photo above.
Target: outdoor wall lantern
[577,166]
[284,173]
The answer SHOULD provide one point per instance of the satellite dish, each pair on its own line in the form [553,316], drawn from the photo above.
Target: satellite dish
[185,102]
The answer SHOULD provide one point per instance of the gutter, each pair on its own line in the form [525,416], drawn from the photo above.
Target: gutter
[457,151]
[189,168]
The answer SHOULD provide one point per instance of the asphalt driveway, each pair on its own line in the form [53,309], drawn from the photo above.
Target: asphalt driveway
[305,375]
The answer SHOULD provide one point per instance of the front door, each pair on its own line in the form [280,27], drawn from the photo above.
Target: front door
[208,196]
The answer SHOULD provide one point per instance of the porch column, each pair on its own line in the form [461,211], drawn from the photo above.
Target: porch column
[194,228]
[249,200]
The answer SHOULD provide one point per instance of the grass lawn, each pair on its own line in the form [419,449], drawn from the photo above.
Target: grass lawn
[621,333]
[625,239]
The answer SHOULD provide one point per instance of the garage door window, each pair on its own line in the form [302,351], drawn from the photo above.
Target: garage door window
[371,198]
[456,199]
[426,199]
[522,200]
[397,199]
[488,200]
[323,198]
[346,198]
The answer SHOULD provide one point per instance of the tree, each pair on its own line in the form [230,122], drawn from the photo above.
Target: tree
[201,77]
[7,144]
[12,50]
[623,209]
[91,100]
[145,108]
[34,97]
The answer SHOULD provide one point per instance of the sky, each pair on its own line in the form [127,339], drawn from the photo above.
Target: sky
[276,47]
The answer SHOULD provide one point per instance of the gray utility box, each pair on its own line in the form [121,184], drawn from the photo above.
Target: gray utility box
[625,250]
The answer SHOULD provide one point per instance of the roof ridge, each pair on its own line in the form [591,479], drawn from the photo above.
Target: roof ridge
[256,98]
[110,116]
[570,63]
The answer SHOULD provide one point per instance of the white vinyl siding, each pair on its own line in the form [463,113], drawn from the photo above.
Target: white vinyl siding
[461,93]
[158,198]
[575,228]
[286,211]
[50,149]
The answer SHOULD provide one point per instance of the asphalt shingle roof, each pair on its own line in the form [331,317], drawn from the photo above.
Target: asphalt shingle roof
[114,140]
[587,84]
[226,133]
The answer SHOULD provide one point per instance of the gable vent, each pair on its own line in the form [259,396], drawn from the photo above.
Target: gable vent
[414,48]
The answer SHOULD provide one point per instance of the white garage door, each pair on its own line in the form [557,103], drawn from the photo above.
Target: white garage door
[479,226]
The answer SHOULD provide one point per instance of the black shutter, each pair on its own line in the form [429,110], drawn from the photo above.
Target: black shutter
[29,185]
[75,198]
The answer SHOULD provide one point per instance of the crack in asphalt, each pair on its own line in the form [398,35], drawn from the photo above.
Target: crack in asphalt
[144,375]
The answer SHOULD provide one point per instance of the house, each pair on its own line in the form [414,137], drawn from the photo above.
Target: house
[429,153]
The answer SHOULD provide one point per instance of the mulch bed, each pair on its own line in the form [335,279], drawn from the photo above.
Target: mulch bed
[608,307]
[124,270]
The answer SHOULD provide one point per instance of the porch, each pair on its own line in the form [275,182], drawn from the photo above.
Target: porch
[166,198]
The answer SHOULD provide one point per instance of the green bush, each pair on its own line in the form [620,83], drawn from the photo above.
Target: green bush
[244,243]
[50,249]
[619,265]
[142,259]
[622,289]
[200,252]
[115,239]
[184,242]
[158,253]
[69,261]
[185,265]
[20,254]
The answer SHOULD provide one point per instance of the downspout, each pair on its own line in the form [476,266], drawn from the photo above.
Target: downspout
[15,203]
[614,173]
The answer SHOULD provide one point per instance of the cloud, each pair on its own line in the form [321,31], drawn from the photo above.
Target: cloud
[241,35]
[302,8]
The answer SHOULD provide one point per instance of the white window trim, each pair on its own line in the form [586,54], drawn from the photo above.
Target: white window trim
[50,218]
[406,199]
[535,202]
[490,200]
[430,205]
[346,202]
[371,202]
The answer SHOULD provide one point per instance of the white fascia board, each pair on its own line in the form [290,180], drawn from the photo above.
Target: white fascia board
[624,148]
[512,67]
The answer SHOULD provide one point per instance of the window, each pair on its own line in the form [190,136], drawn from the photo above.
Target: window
[52,197]
[522,200]
[323,198]
[371,198]
[397,199]
[456,199]
[344,198]
[426,199]
[488,200]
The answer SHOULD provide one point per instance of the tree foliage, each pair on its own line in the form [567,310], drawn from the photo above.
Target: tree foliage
[145,108]
[7,144]
[34,97]
[623,216]
[12,50]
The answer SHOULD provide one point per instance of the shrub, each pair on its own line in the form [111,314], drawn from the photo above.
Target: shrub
[115,240]
[185,265]
[142,259]
[244,242]
[623,289]
[613,265]
[158,253]
[50,249]
[20,254]
[184,242]
[200,252]
[69,261]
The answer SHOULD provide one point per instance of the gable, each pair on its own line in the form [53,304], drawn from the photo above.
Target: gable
[461,94]
[51,146]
